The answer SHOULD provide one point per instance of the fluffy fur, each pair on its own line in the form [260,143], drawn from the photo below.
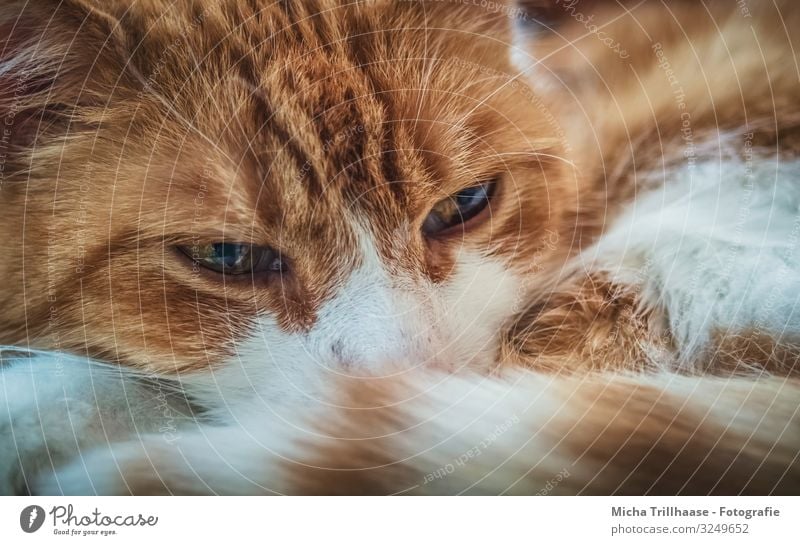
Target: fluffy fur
[643,235]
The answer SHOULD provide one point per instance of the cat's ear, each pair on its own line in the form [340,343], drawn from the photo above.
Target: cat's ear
[52,54]
[550,15]
[558,41]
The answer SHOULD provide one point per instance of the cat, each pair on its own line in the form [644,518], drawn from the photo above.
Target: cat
[401,246]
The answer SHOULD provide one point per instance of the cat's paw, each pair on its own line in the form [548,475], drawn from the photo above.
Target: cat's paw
[222,461]
[42,421]
[123,469]
[12,471]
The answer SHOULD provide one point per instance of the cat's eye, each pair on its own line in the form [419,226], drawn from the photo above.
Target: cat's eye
[235,258]
[458,209]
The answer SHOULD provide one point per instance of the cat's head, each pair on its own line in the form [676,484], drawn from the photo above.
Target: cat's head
[197,184]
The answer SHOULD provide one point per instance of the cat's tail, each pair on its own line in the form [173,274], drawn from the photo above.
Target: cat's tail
[524,434]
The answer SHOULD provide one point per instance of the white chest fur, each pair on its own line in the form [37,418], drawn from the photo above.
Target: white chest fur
[713,248]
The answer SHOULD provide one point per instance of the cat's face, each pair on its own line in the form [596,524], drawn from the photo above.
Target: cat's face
[348,187]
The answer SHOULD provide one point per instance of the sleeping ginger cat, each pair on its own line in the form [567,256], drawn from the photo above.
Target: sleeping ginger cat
[399,247]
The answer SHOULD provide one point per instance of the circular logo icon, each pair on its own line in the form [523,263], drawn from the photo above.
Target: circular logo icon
[31,518]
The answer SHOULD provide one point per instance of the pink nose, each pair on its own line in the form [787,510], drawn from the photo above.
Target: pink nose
[374,362]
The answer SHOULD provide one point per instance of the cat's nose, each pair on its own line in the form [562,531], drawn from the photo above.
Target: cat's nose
[385,357]
[357,355]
